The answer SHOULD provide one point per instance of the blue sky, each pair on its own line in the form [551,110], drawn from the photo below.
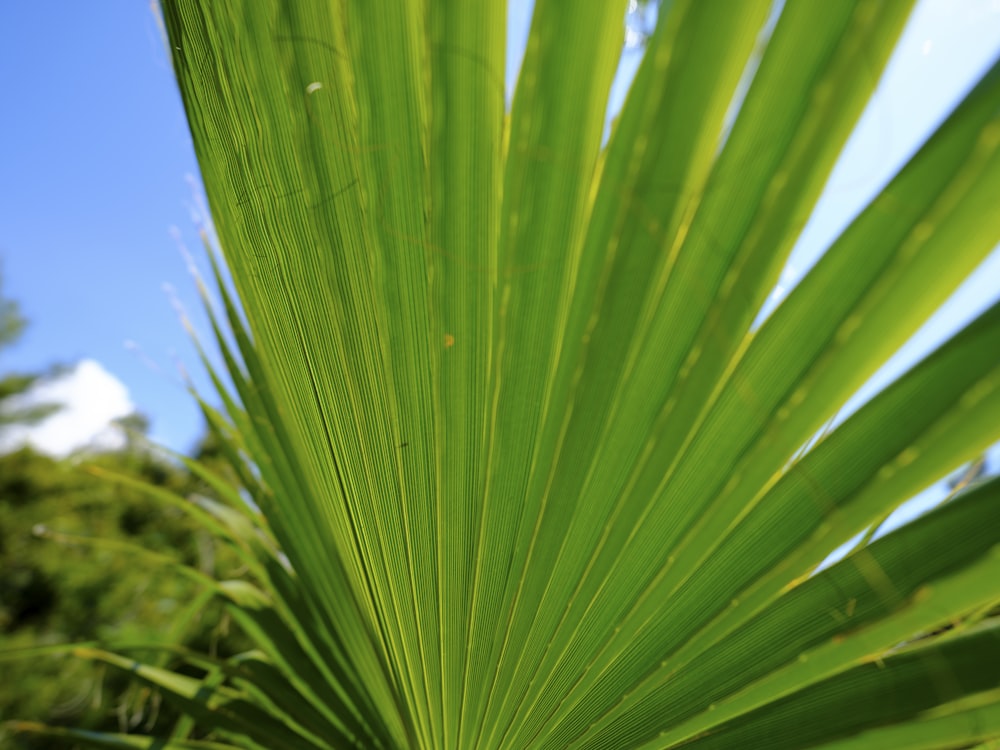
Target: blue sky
[95,150]
[97,168]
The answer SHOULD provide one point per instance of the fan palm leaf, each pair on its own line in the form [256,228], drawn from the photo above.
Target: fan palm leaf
[538,476]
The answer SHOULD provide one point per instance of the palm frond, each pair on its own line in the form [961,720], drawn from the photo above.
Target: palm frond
[529,472]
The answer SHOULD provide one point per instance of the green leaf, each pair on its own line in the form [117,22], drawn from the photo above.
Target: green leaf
[955,730]
[528,474]
[876,694]
[830,622]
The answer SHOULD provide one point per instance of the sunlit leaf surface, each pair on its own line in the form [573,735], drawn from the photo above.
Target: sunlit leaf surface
[535,478]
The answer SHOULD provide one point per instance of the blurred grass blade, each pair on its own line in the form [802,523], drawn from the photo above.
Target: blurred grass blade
[112,741]
[221,707]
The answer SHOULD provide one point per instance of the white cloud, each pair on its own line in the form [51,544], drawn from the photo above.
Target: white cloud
[90,396]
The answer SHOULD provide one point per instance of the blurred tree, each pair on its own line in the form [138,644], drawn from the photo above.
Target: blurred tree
[55,590]
[12,385]
[11,321]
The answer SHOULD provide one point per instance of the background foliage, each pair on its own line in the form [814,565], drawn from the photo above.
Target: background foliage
[85,588]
